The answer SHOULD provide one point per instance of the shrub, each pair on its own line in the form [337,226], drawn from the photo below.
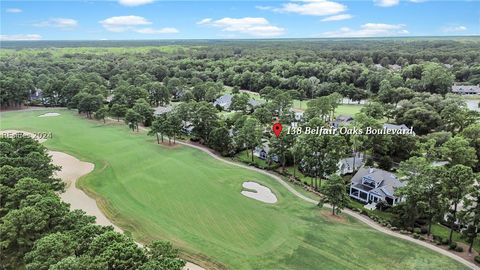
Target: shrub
[417,230]
[459,249]
[436,237]
[394,228]
[445,241]
[416,236]
[424,230]
[477,259]
[452,245]
[422,238]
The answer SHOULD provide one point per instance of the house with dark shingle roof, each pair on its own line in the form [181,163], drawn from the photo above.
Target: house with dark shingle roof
[466,89]
[372,185]
[341,120]
[226,100]
[393,126]
[350,164]
[162,110]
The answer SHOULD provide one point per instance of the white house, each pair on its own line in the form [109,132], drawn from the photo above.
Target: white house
[374,185]
[262,152]
[466,89]
[298,116]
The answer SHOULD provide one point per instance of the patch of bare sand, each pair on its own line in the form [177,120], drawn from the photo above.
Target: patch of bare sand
[326,214]
[49,114]
[72,170]
[11,133]
[258,192]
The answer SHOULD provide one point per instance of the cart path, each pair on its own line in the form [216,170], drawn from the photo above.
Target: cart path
[356,215]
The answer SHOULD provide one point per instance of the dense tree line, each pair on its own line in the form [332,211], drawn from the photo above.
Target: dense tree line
[39,231]
[311,68]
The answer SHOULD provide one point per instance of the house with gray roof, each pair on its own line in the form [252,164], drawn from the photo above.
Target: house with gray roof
[466,89]
[37,94]
[226,100]
[262,152]
[395,67]
[223,101]
[341,120]
[350,164]
[162,110]
[393,126]
[372,185]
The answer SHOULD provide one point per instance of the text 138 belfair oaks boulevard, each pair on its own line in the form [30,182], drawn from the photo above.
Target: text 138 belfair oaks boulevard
[348,131]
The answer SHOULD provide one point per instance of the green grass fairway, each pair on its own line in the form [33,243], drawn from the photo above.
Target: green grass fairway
[343,109]
[182,195]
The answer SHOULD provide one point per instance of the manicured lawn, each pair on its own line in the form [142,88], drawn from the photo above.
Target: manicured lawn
[444,232]
[344,109]
[182,195]
[472,97]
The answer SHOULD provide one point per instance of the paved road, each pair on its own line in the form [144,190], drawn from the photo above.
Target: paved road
[356,215]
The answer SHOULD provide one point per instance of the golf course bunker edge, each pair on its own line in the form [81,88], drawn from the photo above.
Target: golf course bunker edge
[49,114]
[258,192]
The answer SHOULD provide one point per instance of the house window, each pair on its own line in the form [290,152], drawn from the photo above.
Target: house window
[363,195]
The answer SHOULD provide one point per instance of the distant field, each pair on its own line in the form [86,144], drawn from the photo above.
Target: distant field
[344,109]
[184,196]
[96,50]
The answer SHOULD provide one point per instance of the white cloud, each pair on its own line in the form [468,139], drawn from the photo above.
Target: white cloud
[454,29]
[370,30]
[132,23]
[313,7]
[386,3]
[13,10]
[259,27]
[165,30]
[339,17]
[20,37]
[205,21]
[58,22]
[123,23]
[264,7]
[134,3]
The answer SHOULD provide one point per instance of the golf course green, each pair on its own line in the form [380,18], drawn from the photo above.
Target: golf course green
[183,195]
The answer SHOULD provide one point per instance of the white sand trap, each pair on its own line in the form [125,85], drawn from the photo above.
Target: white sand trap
[260,193]
[10,133]
[72,169]
[49,114]
[192,266]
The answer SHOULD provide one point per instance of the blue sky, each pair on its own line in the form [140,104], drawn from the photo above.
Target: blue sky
[150,19]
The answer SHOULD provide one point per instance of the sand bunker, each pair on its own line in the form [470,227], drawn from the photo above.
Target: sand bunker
[72,169]
[49,114]
[10,133]
[258,192]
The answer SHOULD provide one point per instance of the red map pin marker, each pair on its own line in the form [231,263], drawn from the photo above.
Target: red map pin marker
[277,128]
